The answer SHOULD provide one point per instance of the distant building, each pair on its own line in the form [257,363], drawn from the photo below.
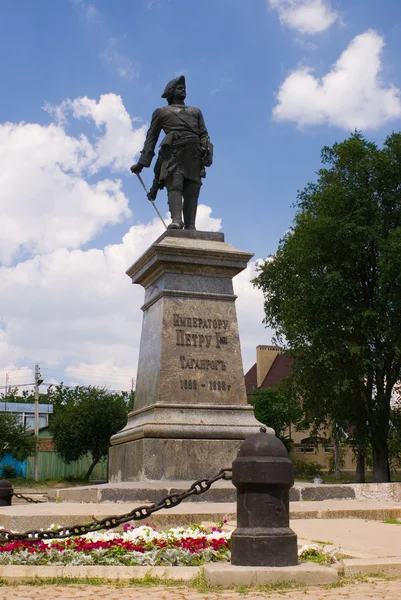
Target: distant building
[26,412]
[270,369]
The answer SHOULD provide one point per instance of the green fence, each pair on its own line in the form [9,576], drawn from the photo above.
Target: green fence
[52,467]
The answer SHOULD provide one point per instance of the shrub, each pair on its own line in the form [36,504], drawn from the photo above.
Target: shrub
[304,469]
[8,472]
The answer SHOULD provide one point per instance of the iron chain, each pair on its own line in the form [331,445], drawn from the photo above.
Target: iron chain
[27,498]
[142,512]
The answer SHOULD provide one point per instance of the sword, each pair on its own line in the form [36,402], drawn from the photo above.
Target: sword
[152,201]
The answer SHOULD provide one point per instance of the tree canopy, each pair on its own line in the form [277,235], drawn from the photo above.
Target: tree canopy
[333,291]
[84,420]
[279,408]
[14,439]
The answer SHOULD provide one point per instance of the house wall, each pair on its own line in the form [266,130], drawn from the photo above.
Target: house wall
[319,454]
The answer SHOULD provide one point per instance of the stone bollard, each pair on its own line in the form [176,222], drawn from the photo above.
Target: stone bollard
[263,475]
[6,492]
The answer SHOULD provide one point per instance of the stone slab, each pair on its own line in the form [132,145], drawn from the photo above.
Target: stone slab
[225,492]
[137,491]
[227,575]
[214,236]
[389,567]
[21,573]
[326,492]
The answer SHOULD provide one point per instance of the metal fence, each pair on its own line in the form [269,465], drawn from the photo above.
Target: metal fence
[51,466]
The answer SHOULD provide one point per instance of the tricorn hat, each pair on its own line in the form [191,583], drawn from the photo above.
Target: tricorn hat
[172,85]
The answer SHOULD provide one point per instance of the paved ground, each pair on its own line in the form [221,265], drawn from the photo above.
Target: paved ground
[355,537]
[384,590]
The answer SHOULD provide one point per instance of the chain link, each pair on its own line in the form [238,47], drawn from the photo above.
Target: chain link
[27,498]
[141,512]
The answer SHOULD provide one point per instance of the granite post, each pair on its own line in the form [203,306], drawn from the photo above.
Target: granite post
[191,413]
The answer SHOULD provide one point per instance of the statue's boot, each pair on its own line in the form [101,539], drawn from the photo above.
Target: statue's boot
[175,205]
[189,209]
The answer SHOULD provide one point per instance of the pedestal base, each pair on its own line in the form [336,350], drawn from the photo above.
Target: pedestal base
[191,411]
[156,459]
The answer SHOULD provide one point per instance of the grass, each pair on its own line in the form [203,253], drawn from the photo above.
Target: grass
[199,583]
[21,482]
[147,581]
[322,542]
[392,522]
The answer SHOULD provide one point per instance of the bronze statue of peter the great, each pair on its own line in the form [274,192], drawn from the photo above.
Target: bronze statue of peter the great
[184,154]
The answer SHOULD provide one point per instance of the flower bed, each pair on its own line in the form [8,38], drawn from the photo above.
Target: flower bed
[142,546]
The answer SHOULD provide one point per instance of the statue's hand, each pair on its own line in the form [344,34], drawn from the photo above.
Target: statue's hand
[137,168]
[152,194]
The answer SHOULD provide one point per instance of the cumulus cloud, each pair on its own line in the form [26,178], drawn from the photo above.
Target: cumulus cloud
[47,199]
[351,95]
[83,319]
[305,16]
[71,308]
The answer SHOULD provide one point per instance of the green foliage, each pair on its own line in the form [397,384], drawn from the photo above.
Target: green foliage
[278,407]
[333,291]
[14,439]
[392,522]
[84,420]
[304,469]
[315,555]
[8,472]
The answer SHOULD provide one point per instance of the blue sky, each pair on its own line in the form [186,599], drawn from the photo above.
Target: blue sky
[275,79]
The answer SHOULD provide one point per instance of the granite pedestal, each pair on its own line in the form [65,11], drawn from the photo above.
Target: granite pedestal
[191,413]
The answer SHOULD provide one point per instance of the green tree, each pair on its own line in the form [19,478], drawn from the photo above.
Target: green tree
[14,439]
[279,408]
[333,291]
[84,420]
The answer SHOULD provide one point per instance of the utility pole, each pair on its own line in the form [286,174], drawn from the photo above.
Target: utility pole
[38,381]
[5,393]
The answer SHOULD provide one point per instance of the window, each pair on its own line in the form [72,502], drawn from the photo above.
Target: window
[29,421]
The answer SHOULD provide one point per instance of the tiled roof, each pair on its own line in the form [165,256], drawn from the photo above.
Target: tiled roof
[250,380]
[280,369]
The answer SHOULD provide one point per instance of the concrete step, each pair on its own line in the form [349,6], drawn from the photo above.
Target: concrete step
[221,491]
[35,516]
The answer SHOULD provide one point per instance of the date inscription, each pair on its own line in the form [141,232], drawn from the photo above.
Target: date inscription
[214,386]
[204,334]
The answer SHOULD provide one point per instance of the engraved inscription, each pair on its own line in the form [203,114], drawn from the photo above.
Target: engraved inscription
[200,323]
[202,363]
[188,384]
[193,339]
[209,334]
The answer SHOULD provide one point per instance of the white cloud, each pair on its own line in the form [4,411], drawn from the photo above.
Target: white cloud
[87,10]
[352,95]
[47,200]
[250,314]
[305,16]
[72,309]
[111,53]
[114,57]
[82,322]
